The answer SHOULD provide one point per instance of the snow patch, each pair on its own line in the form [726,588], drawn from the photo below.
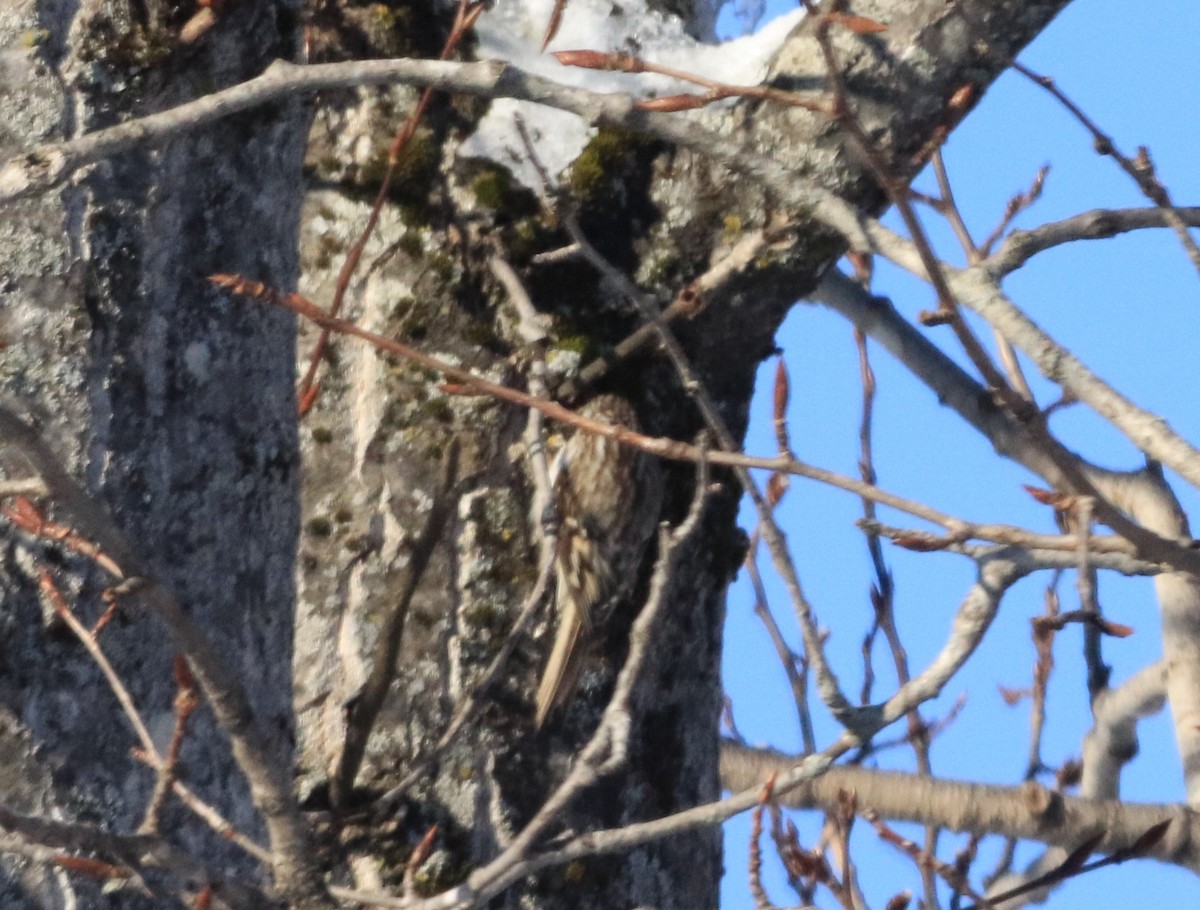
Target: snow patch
[512,30]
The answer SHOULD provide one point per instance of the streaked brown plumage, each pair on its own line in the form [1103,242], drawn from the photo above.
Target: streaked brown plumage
[608,497]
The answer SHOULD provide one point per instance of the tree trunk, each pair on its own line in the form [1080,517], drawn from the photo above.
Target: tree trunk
[176,405]
[373,443]
[173,402]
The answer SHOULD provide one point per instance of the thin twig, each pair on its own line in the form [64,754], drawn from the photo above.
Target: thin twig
[883,592]
[464,19]
[1087,582]
[1043,630]
[754,863]
[211,817]
[186,702]
[92,646]
[1141,169]
[797,677]
[948,206]
[137,851]
[1099,224]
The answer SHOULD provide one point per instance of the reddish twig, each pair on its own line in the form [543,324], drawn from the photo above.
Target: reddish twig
[1016,205]
[59,605]
[552,26]
[186,701]
[1165,552]
[1044,629]
[28,517]
[754,863]
[882,599]
[209,815]
[806,868]
[950,874]
[416,859]
[464,19]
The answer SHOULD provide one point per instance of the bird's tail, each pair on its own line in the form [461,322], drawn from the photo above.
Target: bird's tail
[584,577]
[564,666]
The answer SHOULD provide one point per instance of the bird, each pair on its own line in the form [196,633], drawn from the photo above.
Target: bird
[607,496]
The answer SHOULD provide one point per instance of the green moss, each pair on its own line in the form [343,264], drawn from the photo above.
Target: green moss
[584,345]
[382,16]
[603,160]
[416,171]
[480,333]
[481,616]
[322,435]
[403,306]
[398,415]
[356,543]
[661,267]
[329,167]
[434,878]
[328,247]
[495,190]
[424,617]
[526,239]
[493,187]
[385,29]
[411,244]
[34,37]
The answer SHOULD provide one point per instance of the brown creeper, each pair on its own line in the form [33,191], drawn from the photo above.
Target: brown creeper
[608,497]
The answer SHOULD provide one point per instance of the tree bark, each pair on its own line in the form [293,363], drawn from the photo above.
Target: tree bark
[174,404]
[372,445]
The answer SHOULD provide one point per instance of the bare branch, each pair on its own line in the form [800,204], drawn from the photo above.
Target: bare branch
[1099,224]
[1028,811]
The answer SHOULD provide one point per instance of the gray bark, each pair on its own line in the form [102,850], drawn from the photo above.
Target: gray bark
[174,403]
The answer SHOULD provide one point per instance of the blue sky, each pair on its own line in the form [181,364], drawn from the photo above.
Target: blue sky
[1128,307]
